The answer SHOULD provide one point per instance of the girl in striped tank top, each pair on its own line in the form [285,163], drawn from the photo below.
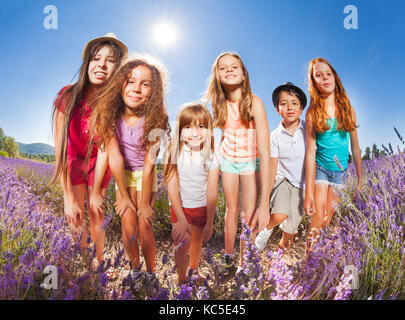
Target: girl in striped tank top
[330,124]
[245,140]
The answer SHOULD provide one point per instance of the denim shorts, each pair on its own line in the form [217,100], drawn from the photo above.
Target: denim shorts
[239,167]
[332,178]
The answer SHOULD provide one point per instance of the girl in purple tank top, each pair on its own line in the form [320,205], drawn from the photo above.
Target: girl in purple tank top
[131,109]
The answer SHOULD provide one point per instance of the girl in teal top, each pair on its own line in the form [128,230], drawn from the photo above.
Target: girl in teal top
[331,123]
[331,144]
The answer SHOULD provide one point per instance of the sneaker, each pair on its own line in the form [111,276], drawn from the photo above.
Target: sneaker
[238,270]
[227,264]
[136,278]
[262,238]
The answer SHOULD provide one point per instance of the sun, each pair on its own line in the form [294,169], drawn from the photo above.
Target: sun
[165,34]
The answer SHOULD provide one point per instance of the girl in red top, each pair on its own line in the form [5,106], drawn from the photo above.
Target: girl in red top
[71,113]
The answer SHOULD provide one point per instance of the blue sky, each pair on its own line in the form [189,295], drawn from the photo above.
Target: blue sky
[276,40]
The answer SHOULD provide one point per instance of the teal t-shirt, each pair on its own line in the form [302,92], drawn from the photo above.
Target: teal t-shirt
[332,143]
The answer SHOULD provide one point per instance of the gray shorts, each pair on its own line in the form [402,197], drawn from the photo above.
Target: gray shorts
[289,200]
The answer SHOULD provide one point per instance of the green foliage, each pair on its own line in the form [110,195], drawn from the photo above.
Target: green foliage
[3,154]
[45,158]
[8,145]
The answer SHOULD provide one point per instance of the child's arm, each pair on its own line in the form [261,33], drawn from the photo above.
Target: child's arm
[310,166]
[263,145]
[96,199]
[181,227]
[354,141]
[116,163]
[145,210]
[212,197]
[72,209]
[273,172]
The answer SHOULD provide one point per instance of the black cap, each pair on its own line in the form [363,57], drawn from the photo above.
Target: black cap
[290,86]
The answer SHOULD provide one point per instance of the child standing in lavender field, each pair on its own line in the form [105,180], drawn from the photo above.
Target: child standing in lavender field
[331,123]
[127,114]
[191,175]
[287,166]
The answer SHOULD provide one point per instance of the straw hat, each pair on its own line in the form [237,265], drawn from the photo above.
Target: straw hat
[109,36]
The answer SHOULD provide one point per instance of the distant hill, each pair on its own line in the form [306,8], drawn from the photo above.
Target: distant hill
[36,148]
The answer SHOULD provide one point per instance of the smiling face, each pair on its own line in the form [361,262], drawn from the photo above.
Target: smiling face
[230,70]
[324,78]
[289,107]
[101,66]
[138,88]
[194,134]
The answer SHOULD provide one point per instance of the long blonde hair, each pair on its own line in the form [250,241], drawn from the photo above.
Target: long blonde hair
[216,95]
[190,113]
[345,119]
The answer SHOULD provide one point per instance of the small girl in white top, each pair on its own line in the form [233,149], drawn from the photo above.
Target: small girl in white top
[191,176]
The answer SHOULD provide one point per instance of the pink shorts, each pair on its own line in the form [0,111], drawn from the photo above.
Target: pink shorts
[76,172]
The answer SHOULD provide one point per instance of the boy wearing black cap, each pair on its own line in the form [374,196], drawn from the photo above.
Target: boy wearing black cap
[287,166]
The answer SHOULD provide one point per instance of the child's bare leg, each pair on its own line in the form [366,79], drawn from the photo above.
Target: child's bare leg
[130,231]
[195,246]
[318,219]
[79,192]
[181,258]
[331,202]
[275,220]
[286,241]
[249,201]
[97,231]
[230,183]
[147,237]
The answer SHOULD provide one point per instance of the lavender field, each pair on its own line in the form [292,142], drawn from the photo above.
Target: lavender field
[361,256]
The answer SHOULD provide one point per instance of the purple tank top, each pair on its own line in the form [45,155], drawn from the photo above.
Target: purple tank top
[130,141]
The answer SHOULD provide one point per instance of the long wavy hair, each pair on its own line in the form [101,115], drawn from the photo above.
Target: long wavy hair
[109,105]
[317,110]
[216,94]
[70,96]
[190,114]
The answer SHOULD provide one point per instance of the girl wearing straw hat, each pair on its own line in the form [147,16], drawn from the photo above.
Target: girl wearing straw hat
[71,113]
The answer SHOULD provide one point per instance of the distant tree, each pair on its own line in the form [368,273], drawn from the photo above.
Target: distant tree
[367,154]
[2,136]
[11,147]
[375,151]
[3,153]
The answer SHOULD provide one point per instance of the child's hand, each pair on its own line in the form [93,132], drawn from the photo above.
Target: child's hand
[146,212]
[260,219]
[123,204]
[73,212]
[180,229]
[96,202]
[309,205]
[357,192]
[207,232]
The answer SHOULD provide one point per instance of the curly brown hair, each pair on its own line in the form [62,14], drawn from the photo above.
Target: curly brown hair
[109,106]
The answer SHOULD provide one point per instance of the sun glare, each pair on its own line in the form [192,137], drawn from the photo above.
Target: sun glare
[165,34]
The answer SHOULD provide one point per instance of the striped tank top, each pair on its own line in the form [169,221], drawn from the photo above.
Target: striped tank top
[238,137]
